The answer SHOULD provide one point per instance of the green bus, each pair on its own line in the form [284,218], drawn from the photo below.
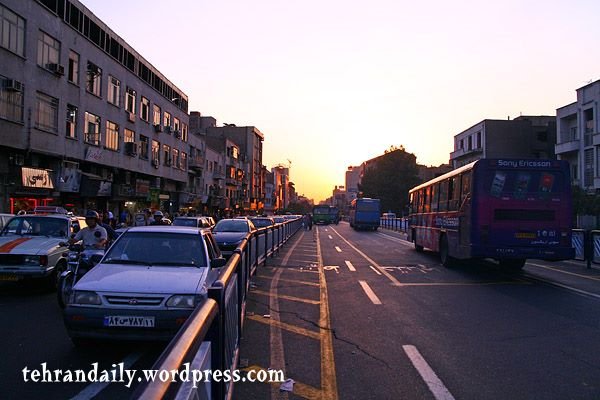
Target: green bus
[320,214]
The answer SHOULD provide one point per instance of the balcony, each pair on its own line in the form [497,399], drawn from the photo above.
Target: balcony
[566,147]
[196,163]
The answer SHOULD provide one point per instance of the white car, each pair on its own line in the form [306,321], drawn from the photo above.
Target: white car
[145,287]
[30,246]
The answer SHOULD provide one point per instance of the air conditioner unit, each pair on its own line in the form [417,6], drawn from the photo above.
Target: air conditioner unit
[157,128]
[155,163]
[12,85]
[57,69]
[168,129]
[130,116]
[177,134]
[131,148]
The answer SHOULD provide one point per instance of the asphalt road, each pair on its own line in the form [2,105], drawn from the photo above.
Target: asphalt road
[404,327]
[356,315]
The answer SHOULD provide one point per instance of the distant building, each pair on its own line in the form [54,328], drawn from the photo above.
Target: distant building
[523,137]
[353,175]
[578,138]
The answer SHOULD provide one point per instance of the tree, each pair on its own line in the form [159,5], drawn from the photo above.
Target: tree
[390,177]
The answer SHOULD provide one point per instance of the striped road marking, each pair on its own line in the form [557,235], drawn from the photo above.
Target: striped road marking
[369,292]
[436,386]
[350,266]
[338,249]
[375,270]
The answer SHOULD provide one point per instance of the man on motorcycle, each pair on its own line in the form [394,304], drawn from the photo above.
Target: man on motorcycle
[93,235]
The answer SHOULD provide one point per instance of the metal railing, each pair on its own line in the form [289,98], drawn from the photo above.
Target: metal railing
[214,329]
[395,224]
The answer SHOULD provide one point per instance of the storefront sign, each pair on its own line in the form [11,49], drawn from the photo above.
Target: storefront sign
[36,178]
[105,188]
[142,187]
[93,154]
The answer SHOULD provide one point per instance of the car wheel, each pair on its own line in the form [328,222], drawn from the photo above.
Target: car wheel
[513,265]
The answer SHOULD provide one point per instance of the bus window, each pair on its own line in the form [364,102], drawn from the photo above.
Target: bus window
[443,195]
[435,194]
[427,200]
[421,198]
[453,193]
[466,186]
[411,202]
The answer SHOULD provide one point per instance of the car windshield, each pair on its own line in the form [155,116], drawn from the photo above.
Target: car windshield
[157,248]
[185,222]
[231,226]
[36,226]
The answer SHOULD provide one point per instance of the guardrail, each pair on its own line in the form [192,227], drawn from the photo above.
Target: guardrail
[211,335]
[395,224]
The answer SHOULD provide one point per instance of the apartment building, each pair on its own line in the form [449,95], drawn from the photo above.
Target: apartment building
[578,137]
[86,122]
[522,137]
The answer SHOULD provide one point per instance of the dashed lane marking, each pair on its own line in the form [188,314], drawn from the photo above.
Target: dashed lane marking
[435,385]
[330,237]
[350,266]
[375,270]
[338,249]
[369,292]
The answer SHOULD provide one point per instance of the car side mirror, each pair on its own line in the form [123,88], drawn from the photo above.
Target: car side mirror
[218,262]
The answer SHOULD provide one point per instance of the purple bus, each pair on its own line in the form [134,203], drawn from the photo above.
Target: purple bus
[506,209]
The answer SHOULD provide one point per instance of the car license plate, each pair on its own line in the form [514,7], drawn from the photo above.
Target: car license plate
[129,320]
[9,278]
[525,235]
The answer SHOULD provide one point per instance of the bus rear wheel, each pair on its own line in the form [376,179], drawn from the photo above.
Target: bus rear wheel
[445,258]
[514,264]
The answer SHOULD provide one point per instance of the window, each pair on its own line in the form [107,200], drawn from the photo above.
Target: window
[462,144]
[12,31]
[112,136]
[479,139]
[588,167]
[71,131]
[94,79]
[156,115]
[91,133]
[453,193]
[144,147]
[48,50]
[145,109]
[167,154]
[130,100]
[167,120]
[128,135]
[11,101]
[176,124]
[465,187]
[175,158]
[183,161]
[73,72]
[155,152]
[46,117]
[443,203]
[470,141]
[435,194]
[184,132]
[114,91]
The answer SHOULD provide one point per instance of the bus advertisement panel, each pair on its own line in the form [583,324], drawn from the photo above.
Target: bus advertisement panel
[508,210]
[320,214]
[365,213]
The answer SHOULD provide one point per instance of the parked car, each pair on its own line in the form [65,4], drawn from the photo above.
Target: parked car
[196,222]
[278,219]
[30,246]
[229,233]
[262,222]
[146,285]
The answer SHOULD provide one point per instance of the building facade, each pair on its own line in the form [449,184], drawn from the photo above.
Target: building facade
[578,135]
[522,137]
[86,122]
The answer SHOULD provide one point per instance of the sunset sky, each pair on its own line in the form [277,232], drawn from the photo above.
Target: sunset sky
[333,83]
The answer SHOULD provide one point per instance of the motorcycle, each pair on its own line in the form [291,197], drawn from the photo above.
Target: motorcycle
[80,259]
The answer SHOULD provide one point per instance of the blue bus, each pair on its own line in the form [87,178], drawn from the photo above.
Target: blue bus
[365,213]
[506,209]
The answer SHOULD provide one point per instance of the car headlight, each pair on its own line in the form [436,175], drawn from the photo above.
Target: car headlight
[32,260]
[85,297]
[183,301]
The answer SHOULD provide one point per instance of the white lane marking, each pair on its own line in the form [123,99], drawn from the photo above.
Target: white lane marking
[92,390]
[375,270]
[330,237]
[338,249]
[350,266]
[369,292]
[395,239]
[394,281]
[593,278]
[436,386]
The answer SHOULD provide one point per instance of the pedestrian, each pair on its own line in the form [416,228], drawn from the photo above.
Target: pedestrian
[309,222]
[158,219]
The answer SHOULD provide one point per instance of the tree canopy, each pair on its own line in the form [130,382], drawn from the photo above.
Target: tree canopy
[389,178]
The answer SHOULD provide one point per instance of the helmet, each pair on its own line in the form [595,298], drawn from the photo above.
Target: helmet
[92,214]
[158,214]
